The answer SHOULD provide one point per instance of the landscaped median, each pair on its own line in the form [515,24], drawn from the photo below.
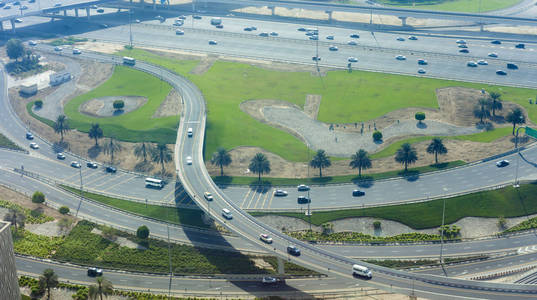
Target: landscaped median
[8,144]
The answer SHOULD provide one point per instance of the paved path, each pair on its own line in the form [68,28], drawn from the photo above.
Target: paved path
[336,143]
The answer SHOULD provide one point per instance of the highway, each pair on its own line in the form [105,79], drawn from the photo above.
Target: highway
[311,256]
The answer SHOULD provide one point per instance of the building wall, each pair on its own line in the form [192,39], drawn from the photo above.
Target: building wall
[9,283]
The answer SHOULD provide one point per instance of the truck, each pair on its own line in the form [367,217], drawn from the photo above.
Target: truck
[129,61]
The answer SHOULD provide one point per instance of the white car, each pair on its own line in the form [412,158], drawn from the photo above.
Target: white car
[460,42]
[400,57]
[208,196]
[421,71]
[400,39]
[75,164]
[60,156]
[32,43]
[265,238]
[189,160]
[352,43]
[332,48]
[34,146]
[303,187]
[179,32]
[352,59]
[280,193]
[212,42]
[412,38]
[493,54]
[76,51]
[58,48]
[482,62]
[471,64]
[330,37]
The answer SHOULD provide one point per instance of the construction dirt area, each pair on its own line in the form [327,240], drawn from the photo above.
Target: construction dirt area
[454,105]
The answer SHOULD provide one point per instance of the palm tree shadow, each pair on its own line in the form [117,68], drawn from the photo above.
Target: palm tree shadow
[421,125]
[364,181]
[410,175]
[94,151]
[58,147]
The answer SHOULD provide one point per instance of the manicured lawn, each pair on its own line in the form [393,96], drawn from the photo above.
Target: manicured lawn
[138,125]
[346,98]
[507,202]
[181,216]
[453,5]
[238,180]
[7,143]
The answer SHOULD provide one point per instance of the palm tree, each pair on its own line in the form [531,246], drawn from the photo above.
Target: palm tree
[436,147]
[96,133]
[161,154]
[111,148]
[61,126]
[260,165]
[103,287]
[221,158]
[360,160]
[320,160]
[141,150]
[482,109]
[406,155]
[496,102]
[48,280]
[515,117]
[16,218]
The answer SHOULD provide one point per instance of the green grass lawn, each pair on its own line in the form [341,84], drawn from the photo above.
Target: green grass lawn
[137,125]
[470,6]
[346,98]
[7,143]
[181,216]
[507,202]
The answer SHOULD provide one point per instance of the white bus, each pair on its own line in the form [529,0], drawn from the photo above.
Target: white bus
[153,182]
[361,271]
[129,60]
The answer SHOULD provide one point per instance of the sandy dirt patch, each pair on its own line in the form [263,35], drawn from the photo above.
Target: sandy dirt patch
[104,106]
[171,106]
[121,241]
[311,106]
[108,48]
[204,65]
[93,74]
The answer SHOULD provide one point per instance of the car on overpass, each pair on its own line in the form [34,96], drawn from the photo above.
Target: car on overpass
[293,250]
[502,163]
[265,238]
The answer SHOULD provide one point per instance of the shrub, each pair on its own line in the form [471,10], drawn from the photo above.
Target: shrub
[64,210]
[118,104]
[38,103]
[502,222]
[36,213]
[142,232]
[38,197]
[377,136]
[377,224]
[420,116]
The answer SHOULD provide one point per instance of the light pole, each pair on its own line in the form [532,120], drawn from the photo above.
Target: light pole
[309,213]
[442,228]
[130,27]
[515,185]
[81,188]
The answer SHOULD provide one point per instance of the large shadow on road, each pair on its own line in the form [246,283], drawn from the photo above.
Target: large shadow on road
[243,271]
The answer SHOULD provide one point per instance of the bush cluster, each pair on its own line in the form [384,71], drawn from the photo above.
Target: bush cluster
[361,237]
[526,225]
[27,212]
[28,63]
[38,103]
[28,243]
[64,210]
[38,197]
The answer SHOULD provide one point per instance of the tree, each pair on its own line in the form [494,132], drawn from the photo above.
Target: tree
[38,103]
[360,160]
[48,280]
[63,210]
[515,117]
[118,104]
[221,158]
[14,49]
[377,136]
[436,147]
[95,132]
[103,287]
[482,109]
[38,197]
[142,232]
[61,126]
[111,148]
[496,102]
[16,218]
[141,150]
[420,116]
[64,224]
[260,165]
[406,155]
[161,154]
[320,161]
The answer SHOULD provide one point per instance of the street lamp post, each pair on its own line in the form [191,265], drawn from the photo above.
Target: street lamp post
[442,228]
[81,189]
[309,212]
[517,158]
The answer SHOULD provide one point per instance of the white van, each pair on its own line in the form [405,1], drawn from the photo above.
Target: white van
[227,214]
[361,271]
[189,131]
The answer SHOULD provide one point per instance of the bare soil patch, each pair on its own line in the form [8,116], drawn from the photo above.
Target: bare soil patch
[204,65]
[311,106]
[104,106]
[171,106]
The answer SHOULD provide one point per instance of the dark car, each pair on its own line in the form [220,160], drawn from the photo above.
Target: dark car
[29,136]
[196,17]
[219,26]
[512,66]
[355,36]
[293,250]
[464,51]
[501,72]
[316,58]
[110,169]
[94,272]
[502,163]
[303,187]
[303,200]
[520,46]
[247,28]
[496,42]
[91,164]
[358,193]
[422,62]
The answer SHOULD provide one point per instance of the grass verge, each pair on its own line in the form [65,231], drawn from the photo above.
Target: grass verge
[469,6]
[507,202]
[242,180]
[71,40]
[7,143]
[181,216]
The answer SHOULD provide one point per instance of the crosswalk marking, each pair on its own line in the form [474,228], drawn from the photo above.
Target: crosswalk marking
[526,250]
